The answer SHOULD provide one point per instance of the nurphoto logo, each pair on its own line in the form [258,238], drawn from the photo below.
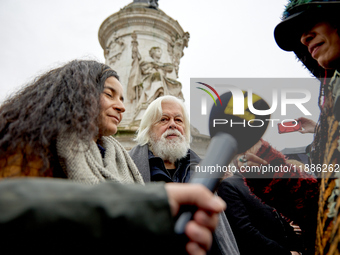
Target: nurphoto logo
[204,99]
[241,103]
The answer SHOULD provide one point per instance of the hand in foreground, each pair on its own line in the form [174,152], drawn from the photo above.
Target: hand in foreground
[249,158]
[308,125]
[199,230]
[297,231]
[296,228]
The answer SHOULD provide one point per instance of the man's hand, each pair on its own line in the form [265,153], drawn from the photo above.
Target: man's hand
[199,230]
[249,158]
[296,228]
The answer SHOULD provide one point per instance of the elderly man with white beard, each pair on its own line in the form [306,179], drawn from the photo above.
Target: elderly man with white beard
[163,154]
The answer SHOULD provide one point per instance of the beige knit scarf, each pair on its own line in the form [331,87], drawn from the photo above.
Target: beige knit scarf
[83,162]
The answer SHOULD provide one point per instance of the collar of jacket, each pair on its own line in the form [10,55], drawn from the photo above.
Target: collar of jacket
[158,171]
[140,155]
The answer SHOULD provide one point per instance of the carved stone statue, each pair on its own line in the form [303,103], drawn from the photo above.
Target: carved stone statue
[134,83]
[114,50]
[152,3]
[148,77]
[175,49]
[155,82]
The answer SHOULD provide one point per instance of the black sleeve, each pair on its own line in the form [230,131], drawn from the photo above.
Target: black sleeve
[48,216]
[248,237]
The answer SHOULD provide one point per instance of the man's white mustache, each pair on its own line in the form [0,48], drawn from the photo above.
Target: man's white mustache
[172,132]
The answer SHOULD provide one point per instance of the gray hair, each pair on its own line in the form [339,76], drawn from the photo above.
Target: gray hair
[153,114]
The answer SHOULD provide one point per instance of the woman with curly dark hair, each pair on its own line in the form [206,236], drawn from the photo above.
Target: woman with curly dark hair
[60,125]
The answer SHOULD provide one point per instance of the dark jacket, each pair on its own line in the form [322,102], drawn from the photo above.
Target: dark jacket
[258,228]
[51,216]
[224,241]
[152,168]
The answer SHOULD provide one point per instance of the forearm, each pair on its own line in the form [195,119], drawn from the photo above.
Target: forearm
[107,214]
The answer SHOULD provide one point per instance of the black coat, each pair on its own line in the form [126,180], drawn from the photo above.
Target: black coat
[258,228]
[54,216]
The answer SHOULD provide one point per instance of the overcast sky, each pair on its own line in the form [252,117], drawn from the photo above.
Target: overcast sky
[228,38]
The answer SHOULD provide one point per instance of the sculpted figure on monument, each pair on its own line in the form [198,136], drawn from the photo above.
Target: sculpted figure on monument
[153,4]
[175,49]
[141,1]
[114,50]
[155,82]
[148,77]
[134,83]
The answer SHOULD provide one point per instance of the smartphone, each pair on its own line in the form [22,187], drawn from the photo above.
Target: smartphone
[289,126]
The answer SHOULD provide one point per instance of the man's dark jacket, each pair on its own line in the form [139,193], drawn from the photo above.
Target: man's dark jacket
[224,240]
[54,216]
[258,228]
[142,157]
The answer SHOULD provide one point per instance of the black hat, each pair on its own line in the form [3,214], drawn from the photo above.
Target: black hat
[299,15]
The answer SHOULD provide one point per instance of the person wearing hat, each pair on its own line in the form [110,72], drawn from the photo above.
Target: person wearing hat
[310,29]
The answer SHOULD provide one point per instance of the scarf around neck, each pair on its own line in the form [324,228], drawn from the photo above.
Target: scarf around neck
[83,162]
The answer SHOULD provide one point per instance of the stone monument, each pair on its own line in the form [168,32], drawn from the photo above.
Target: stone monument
[144,46]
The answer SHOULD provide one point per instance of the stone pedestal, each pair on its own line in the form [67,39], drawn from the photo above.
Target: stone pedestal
[127,38]
[199,142]
[144,46]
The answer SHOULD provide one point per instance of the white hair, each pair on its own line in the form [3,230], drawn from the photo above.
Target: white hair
[153,114]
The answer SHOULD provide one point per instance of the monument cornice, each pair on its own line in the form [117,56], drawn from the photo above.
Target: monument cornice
[139,16]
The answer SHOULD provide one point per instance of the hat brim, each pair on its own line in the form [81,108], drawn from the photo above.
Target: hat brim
[287,33]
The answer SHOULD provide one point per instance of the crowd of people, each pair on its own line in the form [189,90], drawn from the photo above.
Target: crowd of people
[88,194]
